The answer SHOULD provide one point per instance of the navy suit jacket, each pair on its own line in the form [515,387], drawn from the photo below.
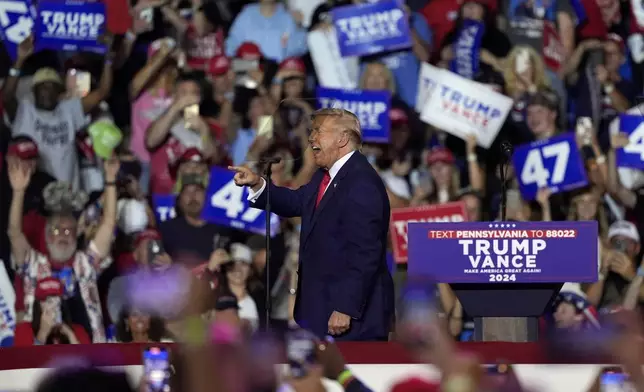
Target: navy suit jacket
[343,241]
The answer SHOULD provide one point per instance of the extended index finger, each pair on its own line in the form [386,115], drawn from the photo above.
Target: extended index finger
[237,169]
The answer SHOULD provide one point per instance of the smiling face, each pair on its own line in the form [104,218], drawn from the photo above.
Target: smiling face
[333,136]
[138,322]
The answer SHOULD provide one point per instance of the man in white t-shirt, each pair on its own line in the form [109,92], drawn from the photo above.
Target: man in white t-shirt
[50,119]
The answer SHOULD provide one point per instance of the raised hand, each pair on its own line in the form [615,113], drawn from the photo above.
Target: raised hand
[19,174]
[245,177]
[26,48]
[111,167]
[186,101]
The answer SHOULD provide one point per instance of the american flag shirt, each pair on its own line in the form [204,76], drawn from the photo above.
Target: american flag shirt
[86,265]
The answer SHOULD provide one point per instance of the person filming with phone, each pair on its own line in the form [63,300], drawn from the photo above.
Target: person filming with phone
[619,264]
[345,288]
[178,128]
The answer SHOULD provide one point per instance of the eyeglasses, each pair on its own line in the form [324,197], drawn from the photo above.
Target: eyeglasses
[62,232]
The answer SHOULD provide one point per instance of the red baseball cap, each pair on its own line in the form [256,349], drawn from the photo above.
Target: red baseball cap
[189,155]
[292,66]
[398,116]
[218,65]
[248,51]
[415,384]
[440,155]
[48,287]
[24,148]
[147,234]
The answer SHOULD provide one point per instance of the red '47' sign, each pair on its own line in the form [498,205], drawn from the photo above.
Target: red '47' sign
[448,212]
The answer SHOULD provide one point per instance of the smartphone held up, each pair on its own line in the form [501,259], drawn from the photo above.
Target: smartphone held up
[78,82]
[300,352]
[156,369]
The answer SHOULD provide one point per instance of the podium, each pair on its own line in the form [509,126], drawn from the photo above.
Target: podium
[504,273]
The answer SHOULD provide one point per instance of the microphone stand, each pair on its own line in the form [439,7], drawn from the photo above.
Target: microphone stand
[267,268]
[506,150]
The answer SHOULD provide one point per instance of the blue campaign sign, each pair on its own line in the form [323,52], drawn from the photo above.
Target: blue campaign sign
[70,25]
[633,154]
[366,29]
[467,49]
[371,107]
[16,22]
[163,207]
[226,204]
[554,163]
[504,252]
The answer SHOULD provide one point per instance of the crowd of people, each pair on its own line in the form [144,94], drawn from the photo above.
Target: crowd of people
[89,257]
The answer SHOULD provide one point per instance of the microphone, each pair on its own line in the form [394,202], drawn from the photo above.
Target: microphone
[271,160]
[507,149]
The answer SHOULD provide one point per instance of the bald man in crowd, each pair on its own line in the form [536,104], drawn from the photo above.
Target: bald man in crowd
[345,288]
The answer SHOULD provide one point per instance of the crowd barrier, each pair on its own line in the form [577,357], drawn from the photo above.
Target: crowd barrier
[379,365]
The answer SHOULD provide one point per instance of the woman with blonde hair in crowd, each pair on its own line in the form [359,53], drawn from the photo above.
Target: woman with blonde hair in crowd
[524,74]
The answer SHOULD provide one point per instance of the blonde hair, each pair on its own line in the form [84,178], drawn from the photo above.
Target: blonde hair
[346,118]
[391,81]
[538,70]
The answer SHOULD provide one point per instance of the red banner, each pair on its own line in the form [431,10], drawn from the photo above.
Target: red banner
[448,212]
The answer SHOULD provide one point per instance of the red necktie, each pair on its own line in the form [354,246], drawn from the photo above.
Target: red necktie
[325,182]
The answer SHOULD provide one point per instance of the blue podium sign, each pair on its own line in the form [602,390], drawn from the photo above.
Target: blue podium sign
[504,252]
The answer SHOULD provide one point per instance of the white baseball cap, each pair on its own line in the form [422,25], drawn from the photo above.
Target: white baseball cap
[132,216]
[240,252]
[625,229]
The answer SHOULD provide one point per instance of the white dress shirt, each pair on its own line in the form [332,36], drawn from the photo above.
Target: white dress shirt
[333,171]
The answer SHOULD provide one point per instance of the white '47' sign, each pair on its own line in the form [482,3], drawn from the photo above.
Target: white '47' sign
[16,23]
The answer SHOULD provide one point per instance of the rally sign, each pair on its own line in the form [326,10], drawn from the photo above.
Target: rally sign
[366,29]
[632,155]
[504,252]
[70,25]
[461,107]
[554,163]
[164,207]
[400,217]
[226,204]
[16,22]
[371,107]
[467,49]
[331,69]
[427,81]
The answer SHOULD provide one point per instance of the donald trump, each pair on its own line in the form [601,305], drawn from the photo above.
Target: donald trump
[344,287]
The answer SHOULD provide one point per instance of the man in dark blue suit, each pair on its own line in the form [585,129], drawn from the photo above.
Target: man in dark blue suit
[344,286]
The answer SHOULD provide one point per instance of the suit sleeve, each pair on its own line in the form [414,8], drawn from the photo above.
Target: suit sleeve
[362,218]
[285,202]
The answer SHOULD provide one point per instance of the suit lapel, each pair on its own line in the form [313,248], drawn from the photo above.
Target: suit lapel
[335,183]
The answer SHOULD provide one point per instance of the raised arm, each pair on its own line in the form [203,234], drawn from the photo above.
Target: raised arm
[158,131]
[25,49]
[285,202]
[19,176]
[96,96]
[145,75]
[105,232]
[172,16]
